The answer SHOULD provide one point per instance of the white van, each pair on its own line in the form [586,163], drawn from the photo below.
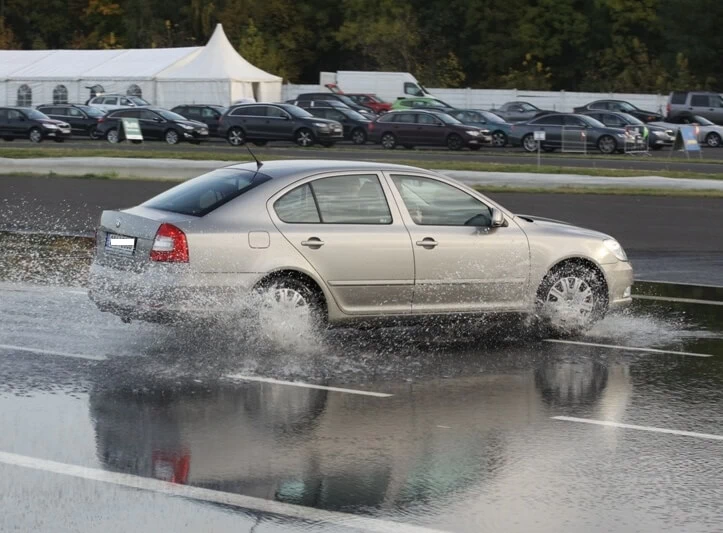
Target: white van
[386,85]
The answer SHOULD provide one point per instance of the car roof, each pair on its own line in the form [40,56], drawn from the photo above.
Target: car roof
[291,170]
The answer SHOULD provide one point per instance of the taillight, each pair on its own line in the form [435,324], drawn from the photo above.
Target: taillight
[667,109]
[170,245]
[370,127]
[101,119]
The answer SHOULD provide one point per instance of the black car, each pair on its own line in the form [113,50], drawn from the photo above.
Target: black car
[425,128]
[307,97]
[208,114]
[156,125]
[83,119]
[260,123]
[29,123]
[355,124]
[657,136]
[620,106]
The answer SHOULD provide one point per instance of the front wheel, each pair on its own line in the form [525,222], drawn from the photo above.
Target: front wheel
[389,141]
[713,140]
[358,136]
[607,145]
[172,137]
[571,298]
[236,137]
[304,137]
[455,142]
[529,144]
[35,135]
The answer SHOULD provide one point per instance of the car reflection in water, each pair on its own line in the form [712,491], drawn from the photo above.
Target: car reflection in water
[429,444]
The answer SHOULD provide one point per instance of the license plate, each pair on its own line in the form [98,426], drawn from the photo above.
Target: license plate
[120,244]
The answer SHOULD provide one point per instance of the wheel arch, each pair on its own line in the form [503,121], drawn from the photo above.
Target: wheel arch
[297,274]
[577,260]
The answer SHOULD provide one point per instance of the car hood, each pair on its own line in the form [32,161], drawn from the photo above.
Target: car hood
[193,123]
[550,225]
[56,122]
[322,120]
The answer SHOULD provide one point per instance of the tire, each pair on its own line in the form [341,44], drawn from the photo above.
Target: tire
[499,139]
[35,135]
[358,136]
[571,298]
[112,136]
[389,141]
[529,144]
[260,143]
[713,140]
[236,136]
[455,142]
[290,294]
[475,147]
[304,137]
[607,145]
[172,137]
[92,132]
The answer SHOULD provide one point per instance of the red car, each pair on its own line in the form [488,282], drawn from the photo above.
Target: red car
[372,101]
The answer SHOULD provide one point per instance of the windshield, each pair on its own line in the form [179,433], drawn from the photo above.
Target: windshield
[298,112]
[205,193]
[447,119]
[348,101]
[36,115]
[491,117]
[701,120]
[624,106]
[592,122]
[169,115]
[92,111]
[138,101]
[632,120]
[350,113]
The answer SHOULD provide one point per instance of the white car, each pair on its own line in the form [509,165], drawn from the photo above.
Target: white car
[709,133]
[109,102]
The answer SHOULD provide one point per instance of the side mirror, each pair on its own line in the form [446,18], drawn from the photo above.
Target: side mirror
[158,119]
[498,218]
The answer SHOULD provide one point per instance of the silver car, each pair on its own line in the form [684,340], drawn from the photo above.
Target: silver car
[707,132]
[347,242]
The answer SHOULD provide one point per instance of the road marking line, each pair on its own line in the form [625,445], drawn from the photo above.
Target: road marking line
[639,428]
[11,347]
[679,283]
[676,299]
[242,377]
[629,348]
[214,496]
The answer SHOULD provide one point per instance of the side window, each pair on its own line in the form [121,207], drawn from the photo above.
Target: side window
[574,121]
[143,114]
[434,203]
[77,113]
[14,114]
[598,105]
[129,113]
[3,114]
[207,112]
[335,115]
[678,98]
[549,120]
[111,101]
[407,118]
[716,100]
[699,100]
[61,111]
[412,89]
[275,112]
[424,118]
[298,207]
[356,199]
[98,100]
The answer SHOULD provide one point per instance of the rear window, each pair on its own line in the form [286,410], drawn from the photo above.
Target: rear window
[208,192]
[678,98]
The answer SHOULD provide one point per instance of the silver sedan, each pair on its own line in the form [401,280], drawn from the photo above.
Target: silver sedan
[346,242]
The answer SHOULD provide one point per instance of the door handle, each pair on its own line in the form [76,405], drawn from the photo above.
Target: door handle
[427,242]
[313,242]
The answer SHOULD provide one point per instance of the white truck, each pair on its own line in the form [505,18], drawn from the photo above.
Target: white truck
[386,85]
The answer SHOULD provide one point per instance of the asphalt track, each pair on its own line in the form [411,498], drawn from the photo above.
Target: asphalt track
[663,160]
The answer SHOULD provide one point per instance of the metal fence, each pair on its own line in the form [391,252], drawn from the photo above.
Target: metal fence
[574,140]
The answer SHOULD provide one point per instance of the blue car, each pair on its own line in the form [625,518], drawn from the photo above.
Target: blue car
[499,128]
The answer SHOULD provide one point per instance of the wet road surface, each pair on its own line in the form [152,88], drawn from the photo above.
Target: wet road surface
[673,239]
[470,428]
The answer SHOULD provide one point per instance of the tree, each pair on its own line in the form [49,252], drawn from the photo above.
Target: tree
[7,37]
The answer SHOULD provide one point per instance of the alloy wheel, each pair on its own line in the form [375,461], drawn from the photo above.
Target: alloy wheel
[529,143]
[304,138]
[606,145]
[389,141]
[713,140]
[172,137]
[112,136]
[358,137]
[236,137]
[35,135]
[499,139]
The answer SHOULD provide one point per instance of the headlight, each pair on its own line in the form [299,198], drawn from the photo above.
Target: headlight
[473,133]
[622,135]
[321,125]
[187,127]
[50,126]
[615,249]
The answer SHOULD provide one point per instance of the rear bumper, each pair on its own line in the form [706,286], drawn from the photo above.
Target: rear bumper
[619,277]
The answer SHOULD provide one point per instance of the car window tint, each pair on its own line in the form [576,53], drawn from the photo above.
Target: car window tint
[275,112]
[598,105]
[144,114]
[549,120]
[404,117]
[573,121]
[111,101]
[208,192]
[716,100]
[434,203]
[207,112]
[357,199]
[3,114]
[678,98]
[298,207]
[73,112]
[335,115]
[14,114]
[699,100]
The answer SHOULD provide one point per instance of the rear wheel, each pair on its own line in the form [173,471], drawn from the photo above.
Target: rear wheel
[713,140]
[358,136]
[304,137]
[294,301]
[389,141]
[35,135]
[455,142]
[172,137]
[499,139]
[236,137]
[92,132]
[571,298]
[529,144]
[112,136]
[607,145]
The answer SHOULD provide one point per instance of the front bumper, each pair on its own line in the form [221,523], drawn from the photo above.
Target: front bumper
[619,277]
[196,135]
[329,135]
[56,134]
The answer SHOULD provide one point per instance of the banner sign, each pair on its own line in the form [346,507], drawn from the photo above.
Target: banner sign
[132,129]
[687,139]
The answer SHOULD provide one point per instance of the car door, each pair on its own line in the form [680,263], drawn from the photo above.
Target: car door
[353,237]
[552,126]
[153,126]
[18,123]
[209,117]
[79,122]
[716,109]
[4,123]
[430,130]
[111,102]
[278,124]
[405,128]
[461,263]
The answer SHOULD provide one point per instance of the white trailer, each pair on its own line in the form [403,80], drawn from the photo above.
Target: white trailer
[386,85]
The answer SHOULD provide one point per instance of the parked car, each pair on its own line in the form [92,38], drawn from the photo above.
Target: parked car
[29,123]
[658,136]
[108,102]
[156,125]
[498,127]
[709,133]
[342,242]
[208,114]
[519,111]
[572,129]
[425,128]
[703,104]
[83,119]
[372,101]
[320,103]
[620,106]
[307,97]
[260,123]
[355,124]
[420,102]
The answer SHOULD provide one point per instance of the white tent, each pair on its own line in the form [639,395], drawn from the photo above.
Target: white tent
[214,74]
[218,74]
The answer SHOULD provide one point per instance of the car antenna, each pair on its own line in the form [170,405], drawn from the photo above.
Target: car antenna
[259,164]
